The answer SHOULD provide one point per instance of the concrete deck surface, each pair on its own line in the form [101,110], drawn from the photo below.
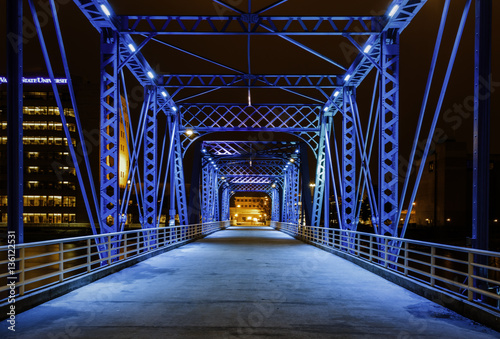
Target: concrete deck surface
[244,282]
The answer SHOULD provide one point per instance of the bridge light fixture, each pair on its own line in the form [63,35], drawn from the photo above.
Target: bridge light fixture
[297,151]
[292,160]
[174,108]
[204,150]
[189,132]
[326,109]
[151,75]
[393,11]
[312,184]
[336,94]
[273,185]
[367,49]
[105,10]
[347,77]
[209,159]
[164,94]
[131,47]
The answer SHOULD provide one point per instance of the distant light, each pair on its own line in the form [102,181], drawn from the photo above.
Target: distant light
[164,94]
[347,77]
[131,47]
[151,75]
[128,182]
[496,220]
[238,205]
[325,109]
[414,203]
[189,132]
[312,185]
[174,108]
[212,162]
[273,185]
[336,94]
[448,219]
[204,150]
[292,160]
[105,10]
[222,178]
[367,49]
[209,159]
[296,151]
[393,10]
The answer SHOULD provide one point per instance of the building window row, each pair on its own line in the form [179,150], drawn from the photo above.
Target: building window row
[44,110]
[32,184]
[43,125]
[44,200]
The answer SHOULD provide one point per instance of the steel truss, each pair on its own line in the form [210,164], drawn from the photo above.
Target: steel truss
[259,25]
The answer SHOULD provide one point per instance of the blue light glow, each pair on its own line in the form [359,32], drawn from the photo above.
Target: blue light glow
[131,47]
[367,49]
[105,10]
[393,10]
[347,77]
[336,94]
[174,108]
[164,94]
[151,75]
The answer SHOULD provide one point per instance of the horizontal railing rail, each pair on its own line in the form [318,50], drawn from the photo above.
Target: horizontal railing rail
[467,273]
[44,264]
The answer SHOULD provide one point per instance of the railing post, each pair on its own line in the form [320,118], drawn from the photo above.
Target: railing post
[21,269]
[371,248]
[109,249]
[433,262]
[125,251]
[406,259]
[89,254]
[385,252]
[61,262]
[470,280]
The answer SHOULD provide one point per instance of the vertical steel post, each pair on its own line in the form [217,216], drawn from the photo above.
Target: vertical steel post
[180,184]
[306,190]
[319,187]
[349,199]
[171,211]
[326,199]
[388,135]
[15,119]
[194,191]
[110,127]
[150,163]
[481,156]
[294,194]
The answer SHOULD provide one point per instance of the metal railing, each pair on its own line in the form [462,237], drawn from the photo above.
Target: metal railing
[47,263]
[466,273]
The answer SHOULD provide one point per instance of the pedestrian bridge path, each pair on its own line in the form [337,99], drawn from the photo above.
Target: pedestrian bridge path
[244,282]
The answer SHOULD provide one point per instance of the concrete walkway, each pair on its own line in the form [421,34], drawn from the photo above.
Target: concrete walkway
[244,282]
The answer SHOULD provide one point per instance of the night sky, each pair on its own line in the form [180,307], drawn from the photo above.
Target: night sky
[273,55]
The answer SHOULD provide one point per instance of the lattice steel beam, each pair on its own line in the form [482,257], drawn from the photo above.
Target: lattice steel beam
[150,163]
[110,126]
[349,162]
[389,136]
[250,80]
[250,24]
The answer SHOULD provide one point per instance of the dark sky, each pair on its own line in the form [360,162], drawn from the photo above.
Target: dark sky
[274,55]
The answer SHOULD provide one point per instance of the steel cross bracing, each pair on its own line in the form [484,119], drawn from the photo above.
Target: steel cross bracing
[300,120]
[251,24]
[250,81]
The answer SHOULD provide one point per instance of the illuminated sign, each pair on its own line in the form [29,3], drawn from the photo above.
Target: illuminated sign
[39,80]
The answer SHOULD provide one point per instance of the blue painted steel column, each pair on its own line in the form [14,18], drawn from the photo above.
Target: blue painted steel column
[15,120]
[110,101]
[150,163]
[319,188]
[180,184]
[275,198]
[349,161]
[294,194]
[206,193]
[482,97]
[194,207]
[225,215]
[389,136]
[306,190]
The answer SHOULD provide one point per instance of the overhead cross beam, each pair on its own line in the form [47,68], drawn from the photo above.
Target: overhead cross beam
[250,24]
[250,80]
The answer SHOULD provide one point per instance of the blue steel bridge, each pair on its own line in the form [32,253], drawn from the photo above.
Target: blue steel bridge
[356,155]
